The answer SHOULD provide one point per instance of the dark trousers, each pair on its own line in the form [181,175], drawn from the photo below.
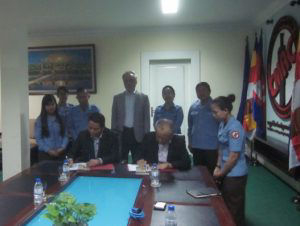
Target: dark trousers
[129,143]
[233,191]
[34,155]
[68,150]
[44,156]
[206,158]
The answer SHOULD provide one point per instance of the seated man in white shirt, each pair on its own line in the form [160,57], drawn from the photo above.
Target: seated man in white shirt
[164,147]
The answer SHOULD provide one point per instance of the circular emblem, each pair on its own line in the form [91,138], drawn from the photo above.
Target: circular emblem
[235,134]
[280,63]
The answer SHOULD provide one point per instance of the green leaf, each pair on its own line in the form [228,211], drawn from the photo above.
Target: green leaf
[64,209]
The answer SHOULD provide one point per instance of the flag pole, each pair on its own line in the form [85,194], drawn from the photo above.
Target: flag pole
[253,153]
[254,161]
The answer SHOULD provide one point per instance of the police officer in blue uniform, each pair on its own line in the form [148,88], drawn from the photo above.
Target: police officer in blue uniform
[203,129]
[169,110]
[78,115]
[62,106]
[231,167]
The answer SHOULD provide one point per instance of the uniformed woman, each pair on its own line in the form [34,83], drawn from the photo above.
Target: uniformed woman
[231,167]
[50,132]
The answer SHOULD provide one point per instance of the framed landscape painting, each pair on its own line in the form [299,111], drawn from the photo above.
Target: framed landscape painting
[53,66]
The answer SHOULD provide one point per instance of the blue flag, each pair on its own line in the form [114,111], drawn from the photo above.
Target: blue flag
[240,115]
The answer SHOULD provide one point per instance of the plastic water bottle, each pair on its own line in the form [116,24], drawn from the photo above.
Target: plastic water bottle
[155,176]
[66,167]
[65,171]
[38,192]
[170,219]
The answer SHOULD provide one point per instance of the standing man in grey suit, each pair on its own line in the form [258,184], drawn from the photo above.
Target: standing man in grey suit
[130,117]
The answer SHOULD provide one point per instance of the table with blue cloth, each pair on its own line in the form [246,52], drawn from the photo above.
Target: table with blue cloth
[115,192]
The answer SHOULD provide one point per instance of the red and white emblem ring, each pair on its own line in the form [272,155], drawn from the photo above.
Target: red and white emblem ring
[235,134]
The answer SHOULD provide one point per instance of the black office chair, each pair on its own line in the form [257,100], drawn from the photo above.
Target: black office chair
[34,155]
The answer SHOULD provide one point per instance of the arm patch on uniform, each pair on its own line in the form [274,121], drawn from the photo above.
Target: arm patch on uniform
[235,134]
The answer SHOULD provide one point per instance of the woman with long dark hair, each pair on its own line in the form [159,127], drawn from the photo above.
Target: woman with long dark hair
[50,132]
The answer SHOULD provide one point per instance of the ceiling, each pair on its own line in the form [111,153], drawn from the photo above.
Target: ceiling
[104,15]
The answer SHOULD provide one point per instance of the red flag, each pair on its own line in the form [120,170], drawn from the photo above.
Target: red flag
[294,148]
[253,111]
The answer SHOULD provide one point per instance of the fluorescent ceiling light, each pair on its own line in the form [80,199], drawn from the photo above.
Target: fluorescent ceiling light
[169,6]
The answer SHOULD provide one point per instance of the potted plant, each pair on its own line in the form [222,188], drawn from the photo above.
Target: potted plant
[64,210]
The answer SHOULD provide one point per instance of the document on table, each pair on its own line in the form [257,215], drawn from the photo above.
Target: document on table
[139,170]
[132,167]
[78,166]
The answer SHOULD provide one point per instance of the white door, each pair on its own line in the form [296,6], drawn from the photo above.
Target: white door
[180,69]
[173,74]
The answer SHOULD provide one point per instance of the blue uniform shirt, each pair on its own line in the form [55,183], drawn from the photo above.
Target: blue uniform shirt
[175,114]
[54,140]
[78,120]
[232,139]
[64,111]
[202,126]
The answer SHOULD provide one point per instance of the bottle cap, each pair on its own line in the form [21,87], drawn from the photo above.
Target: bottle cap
[66,161]
[171,208]
[38,179]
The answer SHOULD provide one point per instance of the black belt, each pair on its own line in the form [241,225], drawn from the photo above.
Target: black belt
[127,128]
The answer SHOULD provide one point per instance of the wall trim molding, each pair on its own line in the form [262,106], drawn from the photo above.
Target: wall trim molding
[223,27]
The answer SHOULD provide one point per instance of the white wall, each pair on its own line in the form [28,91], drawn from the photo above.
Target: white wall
[14,90]
[221,59]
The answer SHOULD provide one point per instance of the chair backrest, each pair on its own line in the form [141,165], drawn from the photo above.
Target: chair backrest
[181,136]
[31,128]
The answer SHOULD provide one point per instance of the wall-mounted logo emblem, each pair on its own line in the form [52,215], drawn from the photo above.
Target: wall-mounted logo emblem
[281,65]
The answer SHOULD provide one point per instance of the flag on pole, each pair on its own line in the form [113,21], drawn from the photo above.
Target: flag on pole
[294,144]
[240,115]
[261,129]
[253,116]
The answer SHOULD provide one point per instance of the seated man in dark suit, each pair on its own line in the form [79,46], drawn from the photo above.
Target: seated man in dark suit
[164,147]
[97,145]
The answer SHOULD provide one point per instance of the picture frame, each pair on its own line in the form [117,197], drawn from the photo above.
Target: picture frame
[52,66]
